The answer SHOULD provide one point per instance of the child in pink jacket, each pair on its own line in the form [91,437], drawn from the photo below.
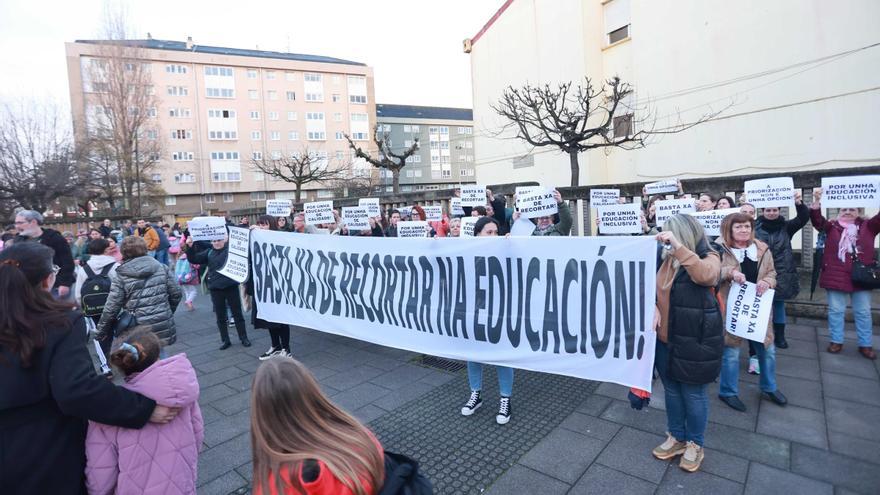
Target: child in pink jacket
[157,459]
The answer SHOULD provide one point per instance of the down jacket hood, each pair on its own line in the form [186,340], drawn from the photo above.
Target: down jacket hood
[140,267]
[170,382]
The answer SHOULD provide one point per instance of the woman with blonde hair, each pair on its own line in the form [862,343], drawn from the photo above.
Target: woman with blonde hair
[689,336]
[303,443]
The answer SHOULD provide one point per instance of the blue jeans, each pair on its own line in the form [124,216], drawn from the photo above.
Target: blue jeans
[161,256]
[778,312]
[729,386]
[687,405]
[861,304]
[505,378]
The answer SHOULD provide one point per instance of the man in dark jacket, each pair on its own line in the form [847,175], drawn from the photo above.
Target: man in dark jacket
[161,253]
[106,228]
[28,224]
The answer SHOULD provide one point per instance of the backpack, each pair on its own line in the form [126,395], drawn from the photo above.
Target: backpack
[402,477]
[174,245]
[95,290]
[185,272]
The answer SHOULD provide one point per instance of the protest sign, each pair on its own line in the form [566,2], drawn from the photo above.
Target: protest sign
[372,206]
[711,220]
[522,227]
[236,266]
[620,219]
[207,228]
[356,218]
[576,306]
[319,212]
[278,207]
[663,186]
[433,213]
[862,191]
[239,239]
[473,195]
[455,208]
[538,203]
[405,211]
[524,191]
[776,193]
[665,208]
[412,229]
[467,226]
[748,313]
[599,197]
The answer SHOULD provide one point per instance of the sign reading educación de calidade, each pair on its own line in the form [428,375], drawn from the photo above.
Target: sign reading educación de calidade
[516,302]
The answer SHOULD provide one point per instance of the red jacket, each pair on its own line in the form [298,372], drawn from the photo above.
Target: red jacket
[836,274]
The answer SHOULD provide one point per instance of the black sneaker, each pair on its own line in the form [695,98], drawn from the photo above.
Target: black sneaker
[271,352]
[503,411]
[734,403]
[472,404]
[226,345]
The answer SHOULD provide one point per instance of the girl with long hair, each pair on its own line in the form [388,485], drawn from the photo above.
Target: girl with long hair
[302,442]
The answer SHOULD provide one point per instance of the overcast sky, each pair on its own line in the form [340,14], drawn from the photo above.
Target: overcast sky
[414,46]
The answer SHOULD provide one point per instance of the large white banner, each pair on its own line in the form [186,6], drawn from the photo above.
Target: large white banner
[854,192]
[576,306]
[747,313]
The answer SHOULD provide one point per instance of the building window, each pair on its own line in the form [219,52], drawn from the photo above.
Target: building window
[275,136]
[184,178]
[170,200]
[181,134]
[291,95]
[156,178]
[415,129]
[273,115]
[444,130]
[617,20]
[219,71]
[362,117]
[272,94]
[152,134]
[337,80]
[465,130]
[259,176]
[325,193]
[290,76]
[339,135]
[179,112]
[226,177]
[335,98]
[270,74]
[291,116]
[293,136]
[219,93]
[315,116]
[361,99]
[340,155]
[317,136]
[359,136]
[252,73]
[275,154]
[337,117]
[446,173]
[228,198]
[256,135]
[316,97]
[407,128]
[182,156]
[175,69]
[175,90]
[221,114]
[311,77]
[258,196]
[209,198]
[222,135]
[253,94]
[257,155]
[255,115]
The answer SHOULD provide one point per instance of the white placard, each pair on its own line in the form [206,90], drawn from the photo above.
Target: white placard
[711,220]
[748,314]
[620,219]
[777,192]
[207,228]
[600,197]
[473,196]
[417,228]
[861,191]
[236,266]
[665,208]
[522,227]
[433,213]
[405,211]
[538,203]
[467,226]
[372,206]
[239,241]
[278,207]
[458,298]
[524,191]
[455,208]
[356,217]
[319,212]
[662,186]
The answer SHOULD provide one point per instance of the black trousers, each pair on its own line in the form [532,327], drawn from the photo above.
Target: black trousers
[228,298]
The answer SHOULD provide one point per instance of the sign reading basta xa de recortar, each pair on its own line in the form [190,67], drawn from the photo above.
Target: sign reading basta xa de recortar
[514,302]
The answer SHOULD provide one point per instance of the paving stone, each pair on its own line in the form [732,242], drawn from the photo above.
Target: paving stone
[630,452]
[227,428]
[213,365]
[384,362]
[612,390]
[804,393]
[250,366]
[210,394]
[851,388]
[677,480]
[353,377]
[858,447]
[246,471]
[602,480]
[799,332]
[234,403]
[847,472]
[725,465]
[845,364]
[719,412]
[800,348]
[404,375]
[241,383]
[648,419]
[590,426]
[217,461]
[595,405]
[228,483]
[793,423]
[753,446]
[209,414]
[402,396]
[437,378]
[563,455]
[522,480]
[369,413]
[765,479]
[226,374]
[798,367]
[359,396]
[853,418]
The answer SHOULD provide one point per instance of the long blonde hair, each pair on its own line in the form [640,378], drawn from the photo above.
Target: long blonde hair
[688,231]
[293,421]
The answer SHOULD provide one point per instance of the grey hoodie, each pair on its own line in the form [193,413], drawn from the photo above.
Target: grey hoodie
[146,289]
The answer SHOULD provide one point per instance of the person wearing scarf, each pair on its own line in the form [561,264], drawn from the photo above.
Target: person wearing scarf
[847,236]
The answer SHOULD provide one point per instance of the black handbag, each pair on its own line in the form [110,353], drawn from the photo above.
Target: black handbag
[865,276]
[126,321]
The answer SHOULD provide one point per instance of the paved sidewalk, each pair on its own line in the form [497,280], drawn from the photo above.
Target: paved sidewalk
[566,435]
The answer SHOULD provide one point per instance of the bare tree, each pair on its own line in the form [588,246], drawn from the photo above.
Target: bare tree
[386,159]
[38,164]
[582,119]
[299,168]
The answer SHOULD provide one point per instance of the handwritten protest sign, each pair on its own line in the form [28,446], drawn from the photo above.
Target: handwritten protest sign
[862,191]
[455,208]
[599,197]
[278,207]
[663,186]
[372,206]
[711,220]
[538,203]
[620,219]
[356,217]
[433,213]
[236,266]
[776,193]
[467,226]
[319,212]
[665,208]
[412,229]
[473,195]
[207,228]
[238,241]
[748,313]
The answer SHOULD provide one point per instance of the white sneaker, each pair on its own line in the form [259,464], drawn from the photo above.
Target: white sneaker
[503,411]
[473,403]
[271,352]
[754,366]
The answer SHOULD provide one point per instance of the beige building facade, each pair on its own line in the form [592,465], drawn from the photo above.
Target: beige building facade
[218,109]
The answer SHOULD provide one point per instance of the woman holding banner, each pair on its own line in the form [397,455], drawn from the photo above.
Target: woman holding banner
[488,227]
[689,336]
[847,237]
[746,259]
[278,332]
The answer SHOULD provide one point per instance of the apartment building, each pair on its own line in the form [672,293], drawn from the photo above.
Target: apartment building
[220,108]
[446,145]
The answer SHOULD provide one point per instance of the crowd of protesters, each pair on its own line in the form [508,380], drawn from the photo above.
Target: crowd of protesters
[73,430]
